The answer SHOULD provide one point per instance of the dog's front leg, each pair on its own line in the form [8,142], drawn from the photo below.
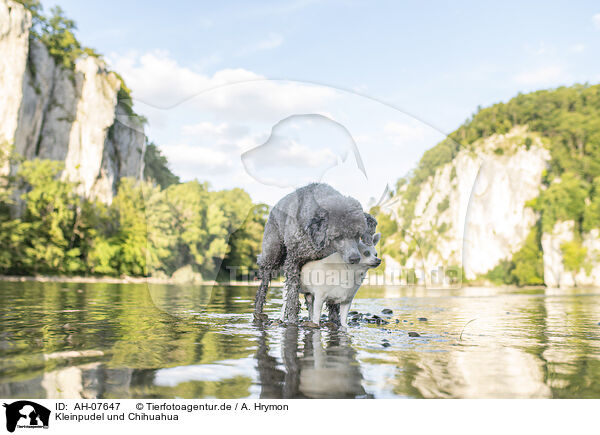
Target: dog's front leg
[284,296]
[344,309]
[317,307]
[292,284]
[309,298]
[334,312]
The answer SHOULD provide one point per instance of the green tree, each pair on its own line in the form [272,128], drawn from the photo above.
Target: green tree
[122,248]
[245,243]
[156,167]
[50,236]
[528,261]
[573,255]
[563,200]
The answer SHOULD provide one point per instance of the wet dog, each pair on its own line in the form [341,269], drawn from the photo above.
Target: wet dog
[335,281]
[308,224]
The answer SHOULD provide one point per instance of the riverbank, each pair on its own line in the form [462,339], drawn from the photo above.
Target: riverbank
[123,280]
[170,281]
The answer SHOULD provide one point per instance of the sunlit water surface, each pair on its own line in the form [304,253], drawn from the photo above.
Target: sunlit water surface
[62,340]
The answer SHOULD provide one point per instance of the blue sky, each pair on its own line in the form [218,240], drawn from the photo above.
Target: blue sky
[424,66]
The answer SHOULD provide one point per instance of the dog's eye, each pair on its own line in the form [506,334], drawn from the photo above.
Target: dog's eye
[367,253]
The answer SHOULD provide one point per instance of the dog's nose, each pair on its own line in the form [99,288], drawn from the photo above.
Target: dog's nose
[354,258]
[378,262]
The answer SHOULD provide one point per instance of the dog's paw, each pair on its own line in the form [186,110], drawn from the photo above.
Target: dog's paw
[278,322]
[261,317]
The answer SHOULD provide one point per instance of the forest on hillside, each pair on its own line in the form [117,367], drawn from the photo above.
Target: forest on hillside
[155,226]
[568,120]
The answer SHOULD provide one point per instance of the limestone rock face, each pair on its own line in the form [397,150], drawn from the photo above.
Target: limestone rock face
[471,213]
[51,112]
[14,46]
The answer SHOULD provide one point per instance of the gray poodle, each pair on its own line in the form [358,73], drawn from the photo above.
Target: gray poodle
[310,223]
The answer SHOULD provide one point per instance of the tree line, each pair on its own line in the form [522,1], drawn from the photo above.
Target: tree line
[152,227]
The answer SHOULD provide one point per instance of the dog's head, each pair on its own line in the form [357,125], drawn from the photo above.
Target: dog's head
[339,226]
[368,253]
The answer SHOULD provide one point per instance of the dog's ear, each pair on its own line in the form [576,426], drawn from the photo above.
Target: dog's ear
[371,223]
[317,228]
[376,238]
[367,236]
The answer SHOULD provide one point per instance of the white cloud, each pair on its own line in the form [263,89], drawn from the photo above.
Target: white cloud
[577,48]
[540,49]
[360,89]
[198,161]
[596,21]
[405,133]
[208,61]
[273,40]
[215,132]
[548,75]
[157,80]
[294,154]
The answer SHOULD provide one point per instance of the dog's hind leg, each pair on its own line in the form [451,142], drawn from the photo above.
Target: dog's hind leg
[292,283]
[269,261]
[261,293]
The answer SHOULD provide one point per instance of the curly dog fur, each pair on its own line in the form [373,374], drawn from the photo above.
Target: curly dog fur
[367,238]
[310,223]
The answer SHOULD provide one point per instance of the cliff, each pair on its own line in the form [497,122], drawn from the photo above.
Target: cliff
[501,206]
[50,111]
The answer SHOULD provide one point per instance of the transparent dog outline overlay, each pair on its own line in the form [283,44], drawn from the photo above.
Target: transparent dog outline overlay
[423,269]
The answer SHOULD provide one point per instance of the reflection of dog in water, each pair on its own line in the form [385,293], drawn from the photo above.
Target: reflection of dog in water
[322,371]
[25,413]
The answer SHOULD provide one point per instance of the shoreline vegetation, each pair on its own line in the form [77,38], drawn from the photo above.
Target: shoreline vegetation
[254,283]
[124,280]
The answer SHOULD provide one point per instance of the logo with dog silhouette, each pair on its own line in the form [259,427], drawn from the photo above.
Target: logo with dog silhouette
[25,414]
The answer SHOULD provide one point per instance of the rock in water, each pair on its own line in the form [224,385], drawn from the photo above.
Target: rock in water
[414,334]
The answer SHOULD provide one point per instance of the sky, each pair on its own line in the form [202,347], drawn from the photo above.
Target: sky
[270,95]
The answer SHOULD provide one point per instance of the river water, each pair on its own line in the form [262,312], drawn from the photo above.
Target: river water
[66,340]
